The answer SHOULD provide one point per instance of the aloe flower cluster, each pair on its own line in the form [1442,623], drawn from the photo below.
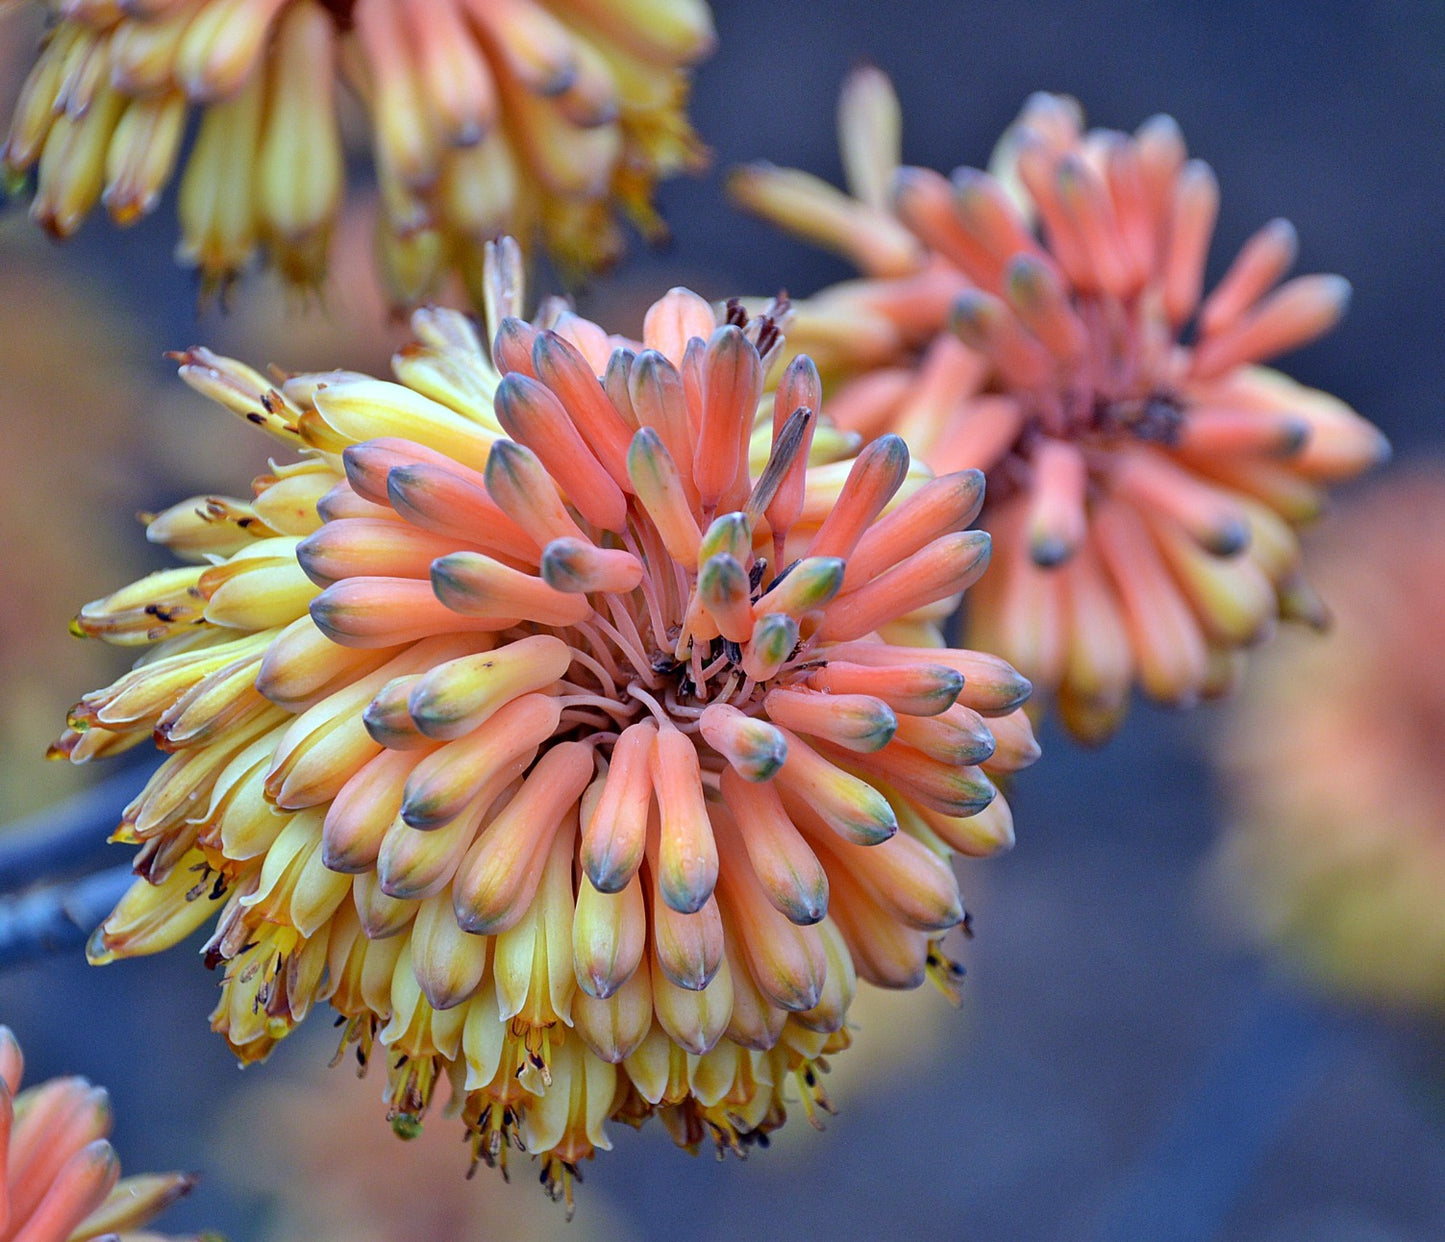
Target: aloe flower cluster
[59,1176]
[580,732]
[1046,322]
[541,118]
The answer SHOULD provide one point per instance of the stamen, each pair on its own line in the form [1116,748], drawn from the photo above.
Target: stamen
[656,708]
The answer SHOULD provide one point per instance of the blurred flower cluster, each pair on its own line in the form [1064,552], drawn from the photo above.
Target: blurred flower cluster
[1336,853]
[1030,322]
[59,1176]
[542,118]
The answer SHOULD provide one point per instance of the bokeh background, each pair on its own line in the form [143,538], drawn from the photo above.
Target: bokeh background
[1124,1066]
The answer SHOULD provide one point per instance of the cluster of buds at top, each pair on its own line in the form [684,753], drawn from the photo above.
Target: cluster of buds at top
[535,117]
[1033,323]
[577,732]
[59,1175]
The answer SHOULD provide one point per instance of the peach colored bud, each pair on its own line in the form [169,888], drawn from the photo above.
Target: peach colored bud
[615,1027]
[453,698]
[519,484]
[1036,294]
[357,547]
[387,719]
[609,937]
[561,366]
[990,219]
[945,786]
[1084,196]
[884,951]
[923,200]
[1206,512]
[876,475]
[774,637]
[658,483]
[1222,432]
[387,612]
[1195,206]
[723,589]
[949,564]
[615,836]
[753,747]
[1167,640]
[674,319]
[803,204]
[531,415]
[785,959]
[694,1019]
[1259,265]
[452,501]
[574,565]
[1057,521]
[302,665]
[1293,315]
[809,585]
[451,776]
[958,735]
[655,389]
[417,863]
[732,381]
[500,874]
[984,323]
[918,690]
[77,1189]
[479,587]
[364,808]
[687,860]
[849,806]
[854,721]
[449,963]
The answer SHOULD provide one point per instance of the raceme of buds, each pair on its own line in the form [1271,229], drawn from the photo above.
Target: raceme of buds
[59,1176]
[1046,323]
[543,118]
[579,736]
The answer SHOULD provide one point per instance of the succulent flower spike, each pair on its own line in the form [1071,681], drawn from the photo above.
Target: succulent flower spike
[61,1177]
[583,747]
[1341,876]
[1045,323]
[540,118]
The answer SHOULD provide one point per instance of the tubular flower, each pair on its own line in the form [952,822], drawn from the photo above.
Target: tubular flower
[1145,475]
[59,1176]
[1344,876]
[535,117]
[494,722]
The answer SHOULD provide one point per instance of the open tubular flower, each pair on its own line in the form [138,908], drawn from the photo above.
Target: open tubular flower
[59,1176]
[579,737]
[1145,476]
[1343,876]
[534,117]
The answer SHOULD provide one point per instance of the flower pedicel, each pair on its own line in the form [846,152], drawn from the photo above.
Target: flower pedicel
[577,736]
